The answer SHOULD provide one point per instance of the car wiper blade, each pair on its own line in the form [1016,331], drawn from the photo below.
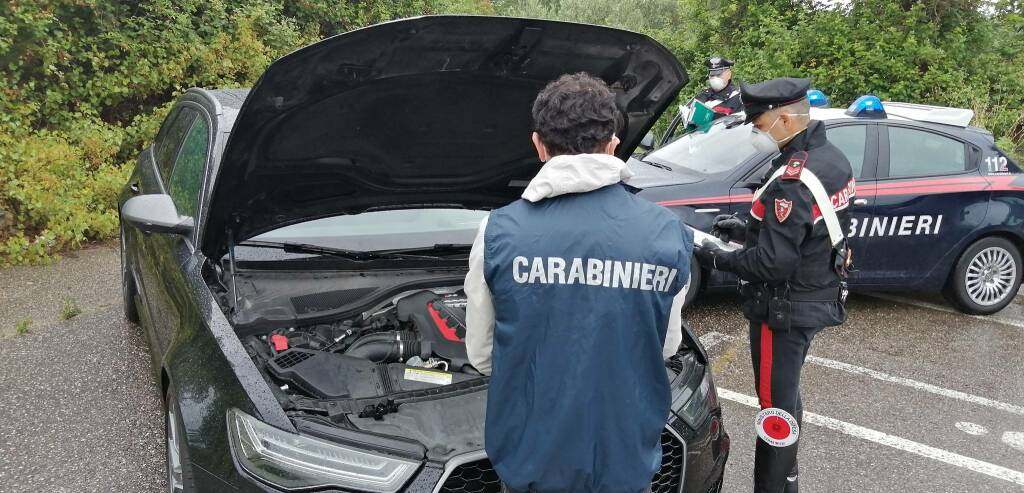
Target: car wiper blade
[657,165]
[331,251]
[437,249]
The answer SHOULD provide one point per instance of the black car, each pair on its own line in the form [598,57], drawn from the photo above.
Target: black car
[296,252]
[938,206]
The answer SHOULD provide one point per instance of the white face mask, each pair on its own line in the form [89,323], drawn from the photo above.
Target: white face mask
[717,83]
[763,141]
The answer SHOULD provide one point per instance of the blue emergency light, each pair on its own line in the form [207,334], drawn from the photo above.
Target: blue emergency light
[867,107]
[817,98]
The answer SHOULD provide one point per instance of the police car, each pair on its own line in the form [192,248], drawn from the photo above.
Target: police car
[938,206]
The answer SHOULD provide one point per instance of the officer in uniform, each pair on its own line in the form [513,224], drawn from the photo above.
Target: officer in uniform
[792,273]
[722,96]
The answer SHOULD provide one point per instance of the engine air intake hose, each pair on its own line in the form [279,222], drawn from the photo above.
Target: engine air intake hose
[386,347]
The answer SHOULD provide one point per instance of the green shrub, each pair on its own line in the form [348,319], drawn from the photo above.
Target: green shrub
[69,309]
[84,86]
[22,326]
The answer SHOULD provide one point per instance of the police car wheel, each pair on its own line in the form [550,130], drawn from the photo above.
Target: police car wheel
[696,275]
[986,277]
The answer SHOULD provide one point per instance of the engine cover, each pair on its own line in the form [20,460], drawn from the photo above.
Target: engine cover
[440,321]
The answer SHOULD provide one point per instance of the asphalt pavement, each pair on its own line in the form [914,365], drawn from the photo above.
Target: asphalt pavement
[902,398]
[79,409]
[908,396]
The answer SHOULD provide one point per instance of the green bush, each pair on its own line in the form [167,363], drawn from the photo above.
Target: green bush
[964,53]
[84,85]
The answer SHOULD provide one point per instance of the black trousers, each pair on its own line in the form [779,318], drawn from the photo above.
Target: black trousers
[778,357]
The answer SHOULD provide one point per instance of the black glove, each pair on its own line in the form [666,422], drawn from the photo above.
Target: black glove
[707,254]
[728,227]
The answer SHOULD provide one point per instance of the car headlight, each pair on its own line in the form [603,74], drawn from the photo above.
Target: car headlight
[703,400]
[290,461]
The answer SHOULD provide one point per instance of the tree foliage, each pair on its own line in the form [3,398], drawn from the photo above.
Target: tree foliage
[965,53]
[84,84]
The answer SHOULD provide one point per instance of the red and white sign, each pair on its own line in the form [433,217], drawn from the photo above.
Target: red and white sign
[782,209]
[777,427]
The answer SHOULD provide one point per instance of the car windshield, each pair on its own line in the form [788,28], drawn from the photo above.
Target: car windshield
[719,150]
[383,230]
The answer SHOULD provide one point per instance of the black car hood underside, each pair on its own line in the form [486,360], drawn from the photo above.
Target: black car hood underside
[430,111]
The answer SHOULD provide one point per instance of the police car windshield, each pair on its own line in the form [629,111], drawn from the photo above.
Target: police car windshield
[719,150]
[383,230]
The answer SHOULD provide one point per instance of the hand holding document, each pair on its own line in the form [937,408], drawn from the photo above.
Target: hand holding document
[699,237]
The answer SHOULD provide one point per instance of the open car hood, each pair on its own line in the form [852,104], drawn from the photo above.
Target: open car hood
[429,111]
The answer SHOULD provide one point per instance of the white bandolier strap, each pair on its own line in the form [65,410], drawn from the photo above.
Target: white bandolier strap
[821,198]
[828,211]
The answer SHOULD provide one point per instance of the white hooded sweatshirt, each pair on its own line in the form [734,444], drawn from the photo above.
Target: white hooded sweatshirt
[561,175]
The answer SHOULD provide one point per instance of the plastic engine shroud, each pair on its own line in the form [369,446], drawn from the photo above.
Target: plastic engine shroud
[440,321]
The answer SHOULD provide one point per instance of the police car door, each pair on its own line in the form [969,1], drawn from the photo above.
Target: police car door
[858,141]
[928,196]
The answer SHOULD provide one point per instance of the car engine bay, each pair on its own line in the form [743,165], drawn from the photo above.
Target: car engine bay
[413,342]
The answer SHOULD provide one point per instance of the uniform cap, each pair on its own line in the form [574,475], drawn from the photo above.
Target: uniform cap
[763,96]
[717,64]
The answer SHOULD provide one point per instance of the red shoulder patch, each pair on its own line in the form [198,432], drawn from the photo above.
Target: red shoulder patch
[782,209]
[795,166]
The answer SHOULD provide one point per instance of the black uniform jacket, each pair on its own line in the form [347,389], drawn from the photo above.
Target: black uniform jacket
[728,99]
[787,241]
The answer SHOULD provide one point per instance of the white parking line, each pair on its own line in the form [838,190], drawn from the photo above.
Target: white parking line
[932,306]
[926,387]
[1014,439]
[710,339]
[893,441]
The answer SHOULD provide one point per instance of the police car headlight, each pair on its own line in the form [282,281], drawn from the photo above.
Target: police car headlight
[290,461]
[701,403]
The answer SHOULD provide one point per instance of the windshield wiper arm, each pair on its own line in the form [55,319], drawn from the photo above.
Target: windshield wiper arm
[656,165]
[437,248]
[331,251]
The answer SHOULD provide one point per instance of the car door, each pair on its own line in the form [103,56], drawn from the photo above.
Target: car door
[152,171]
[929,194]
[858,141]
[171,252]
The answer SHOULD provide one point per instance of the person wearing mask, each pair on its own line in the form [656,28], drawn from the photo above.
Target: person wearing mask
[793,267]
[721,95]
[574,298]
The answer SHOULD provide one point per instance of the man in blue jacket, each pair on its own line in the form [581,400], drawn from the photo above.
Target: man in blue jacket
[575,294]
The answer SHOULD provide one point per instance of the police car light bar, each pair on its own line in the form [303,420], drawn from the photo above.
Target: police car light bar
[867,107]
[817,98]
[960,117]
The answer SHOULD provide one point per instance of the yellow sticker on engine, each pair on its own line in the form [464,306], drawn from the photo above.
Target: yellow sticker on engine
[427,376]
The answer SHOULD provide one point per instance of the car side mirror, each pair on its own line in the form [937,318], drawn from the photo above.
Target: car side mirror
[156,214]
[647,143]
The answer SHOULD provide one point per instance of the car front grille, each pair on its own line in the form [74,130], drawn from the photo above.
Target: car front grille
[479,476]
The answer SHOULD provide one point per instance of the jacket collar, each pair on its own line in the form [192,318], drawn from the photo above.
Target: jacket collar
[809,139]
[576,173]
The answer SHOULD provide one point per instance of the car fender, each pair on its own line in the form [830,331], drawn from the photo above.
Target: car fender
[211,372]
[1003,217]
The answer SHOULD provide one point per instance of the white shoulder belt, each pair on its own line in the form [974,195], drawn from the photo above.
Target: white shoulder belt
[821,198]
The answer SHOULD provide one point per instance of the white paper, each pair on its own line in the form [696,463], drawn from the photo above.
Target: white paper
[699,237]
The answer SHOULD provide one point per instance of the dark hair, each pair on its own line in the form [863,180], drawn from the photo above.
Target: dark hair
[575,114]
